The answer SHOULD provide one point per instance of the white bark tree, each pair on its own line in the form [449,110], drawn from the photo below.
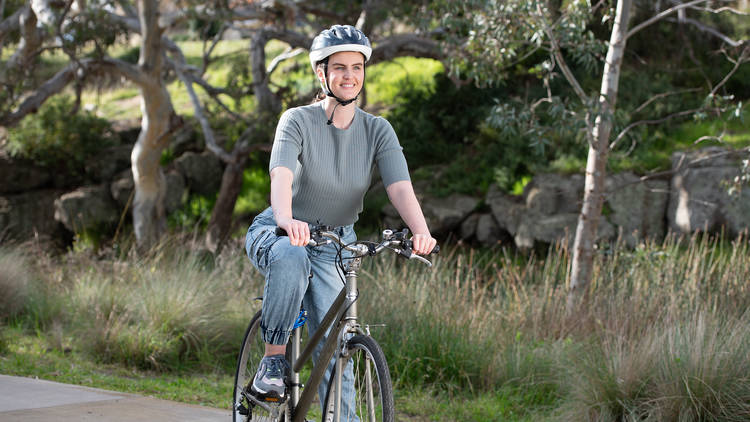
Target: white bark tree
[45,25]
[596,164]
[520,29]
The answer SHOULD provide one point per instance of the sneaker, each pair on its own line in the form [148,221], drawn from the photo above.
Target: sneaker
[270,381]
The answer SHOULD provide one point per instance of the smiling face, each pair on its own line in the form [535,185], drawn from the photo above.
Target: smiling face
[346,73]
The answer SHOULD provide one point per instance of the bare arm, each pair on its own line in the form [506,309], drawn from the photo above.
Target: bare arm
[281,203]
[403,198]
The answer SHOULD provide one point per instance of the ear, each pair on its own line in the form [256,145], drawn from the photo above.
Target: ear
[319,73]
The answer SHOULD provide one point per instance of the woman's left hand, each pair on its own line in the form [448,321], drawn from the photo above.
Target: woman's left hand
[423,244]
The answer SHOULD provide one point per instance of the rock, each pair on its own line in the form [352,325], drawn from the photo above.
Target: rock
[176,191]
[202,172]
[186,139]
[113,160]
[507,209]
[549,194]
[699,198]
[488,232]
[445,214]
[25,215]
[638,207]
[86,208]
[536,228]
[122,188]
[21,176]
[469,227]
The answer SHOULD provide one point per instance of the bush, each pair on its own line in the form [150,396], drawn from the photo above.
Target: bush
[59,140]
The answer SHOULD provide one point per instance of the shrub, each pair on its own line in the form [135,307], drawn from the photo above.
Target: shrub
[59,140]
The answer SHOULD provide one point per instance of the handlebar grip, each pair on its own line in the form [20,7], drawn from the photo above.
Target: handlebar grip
[280,232]
[436,250]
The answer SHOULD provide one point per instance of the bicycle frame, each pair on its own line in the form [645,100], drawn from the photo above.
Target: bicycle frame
[342,316]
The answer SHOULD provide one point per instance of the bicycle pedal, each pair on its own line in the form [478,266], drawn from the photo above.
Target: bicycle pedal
[271,399]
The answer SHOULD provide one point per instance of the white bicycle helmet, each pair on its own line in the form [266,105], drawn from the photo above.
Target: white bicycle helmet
[333,40]
[339,38]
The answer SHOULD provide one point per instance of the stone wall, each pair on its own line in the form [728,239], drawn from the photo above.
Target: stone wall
[692,197]
[34,203]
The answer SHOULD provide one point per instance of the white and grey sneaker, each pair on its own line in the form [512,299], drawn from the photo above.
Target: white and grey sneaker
[270,380]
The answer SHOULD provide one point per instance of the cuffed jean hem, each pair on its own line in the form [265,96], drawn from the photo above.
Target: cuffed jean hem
[276,337]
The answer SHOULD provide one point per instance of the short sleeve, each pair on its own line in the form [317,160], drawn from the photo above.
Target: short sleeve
[287,142]
[389,154]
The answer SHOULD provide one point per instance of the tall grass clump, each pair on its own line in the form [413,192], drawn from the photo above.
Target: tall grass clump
[161,312]
[14,283]
[663,334]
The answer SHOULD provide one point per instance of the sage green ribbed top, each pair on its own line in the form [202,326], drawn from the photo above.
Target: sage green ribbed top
[333,167]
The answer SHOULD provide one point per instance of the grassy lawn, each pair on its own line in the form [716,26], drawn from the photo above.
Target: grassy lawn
[34,355]
[30,355]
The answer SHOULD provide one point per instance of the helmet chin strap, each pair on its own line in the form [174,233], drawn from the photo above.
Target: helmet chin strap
[330,93]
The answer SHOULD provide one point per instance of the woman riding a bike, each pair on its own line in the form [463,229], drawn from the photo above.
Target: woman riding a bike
[321,165]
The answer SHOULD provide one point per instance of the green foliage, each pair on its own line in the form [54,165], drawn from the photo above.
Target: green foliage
[59,139]
[93,25]
[433,130]
[194,214]
[256,187]
[131,55]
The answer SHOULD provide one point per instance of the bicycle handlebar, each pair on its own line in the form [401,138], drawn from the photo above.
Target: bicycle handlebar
[394,241]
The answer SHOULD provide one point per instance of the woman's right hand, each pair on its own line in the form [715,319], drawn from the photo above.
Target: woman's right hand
[298,231]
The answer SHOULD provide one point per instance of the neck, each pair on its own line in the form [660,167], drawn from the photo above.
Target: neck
[344,114]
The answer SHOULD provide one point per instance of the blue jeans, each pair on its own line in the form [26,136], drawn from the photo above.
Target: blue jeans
[298,276]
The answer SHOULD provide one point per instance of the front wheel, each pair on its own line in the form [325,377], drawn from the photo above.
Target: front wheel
[373,390]
[244,408]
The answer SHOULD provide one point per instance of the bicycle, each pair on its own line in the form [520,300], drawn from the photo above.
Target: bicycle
[348,340]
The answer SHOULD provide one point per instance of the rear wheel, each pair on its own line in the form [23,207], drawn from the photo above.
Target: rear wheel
[245,407]
[373,390]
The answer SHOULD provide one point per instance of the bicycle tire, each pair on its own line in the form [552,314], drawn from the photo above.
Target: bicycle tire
[247,363]
[377,406]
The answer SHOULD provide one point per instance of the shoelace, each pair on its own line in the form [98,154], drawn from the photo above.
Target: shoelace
[275,368]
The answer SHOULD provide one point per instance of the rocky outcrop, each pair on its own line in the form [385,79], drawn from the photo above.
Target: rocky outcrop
[445,215]
[33,202]
[637,207]
[21,176]
[28,215]
[202,172]
[699,198]
[86,208]
[122,190]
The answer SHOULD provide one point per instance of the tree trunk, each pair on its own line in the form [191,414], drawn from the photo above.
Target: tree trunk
[221,216]
[596,165]
[157,123]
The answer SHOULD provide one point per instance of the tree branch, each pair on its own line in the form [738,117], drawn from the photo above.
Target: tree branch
[406,45]
[286,55]
[663,95]
[561,60]
[713,31]
[661,16]
[629,127]
[64,77]
[740,60]
[11,23]
[208,132]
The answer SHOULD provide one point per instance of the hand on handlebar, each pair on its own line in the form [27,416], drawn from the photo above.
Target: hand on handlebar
[423,244]
[298,231]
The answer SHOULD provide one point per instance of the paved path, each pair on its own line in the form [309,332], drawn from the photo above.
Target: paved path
[33,400]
